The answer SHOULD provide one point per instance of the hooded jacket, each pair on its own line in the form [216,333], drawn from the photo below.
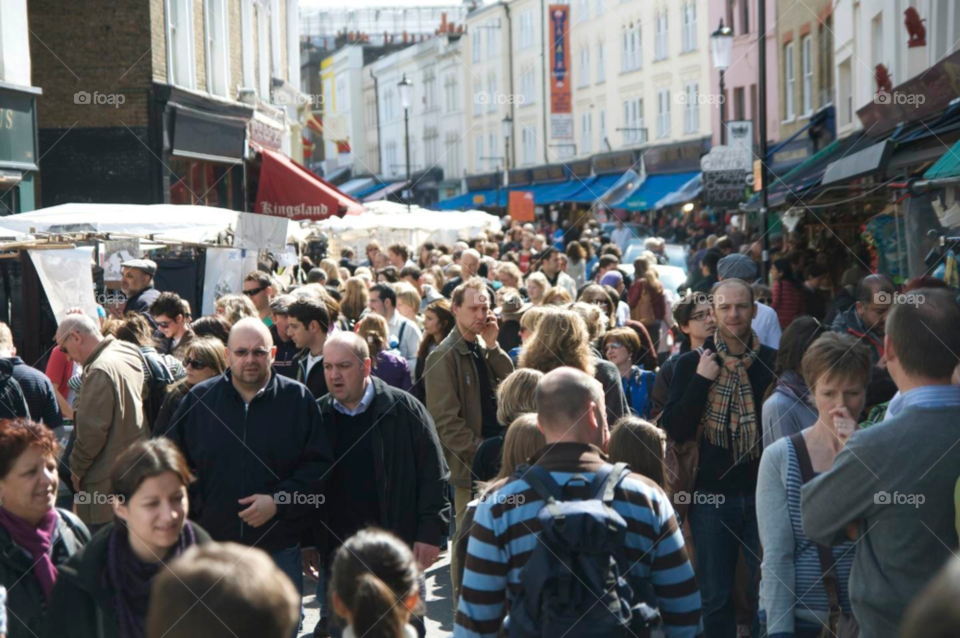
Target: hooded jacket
[13,403]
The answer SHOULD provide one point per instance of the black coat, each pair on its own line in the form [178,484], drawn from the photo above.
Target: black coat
[316,381]
[26,605]
[685,406]
[13,403]
[141,302]
[410,468]
[171,401]
[83,605]
[276,445]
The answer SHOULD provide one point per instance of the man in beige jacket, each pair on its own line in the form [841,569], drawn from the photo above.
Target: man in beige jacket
[461,395]
[109,415]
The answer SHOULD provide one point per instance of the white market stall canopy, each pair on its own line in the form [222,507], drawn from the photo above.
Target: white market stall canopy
[160,222]
[389,222]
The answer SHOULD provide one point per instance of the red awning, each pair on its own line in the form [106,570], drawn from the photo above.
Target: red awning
[289,190]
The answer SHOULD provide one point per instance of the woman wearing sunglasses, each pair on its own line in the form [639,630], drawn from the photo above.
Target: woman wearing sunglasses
[204,359]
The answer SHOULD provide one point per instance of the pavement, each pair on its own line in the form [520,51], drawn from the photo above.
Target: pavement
[439,603]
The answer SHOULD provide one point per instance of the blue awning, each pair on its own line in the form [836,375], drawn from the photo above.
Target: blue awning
[366,190]
[947,166]
[655,188]
[594,188]
[689,191]
[357,184]
[470,201]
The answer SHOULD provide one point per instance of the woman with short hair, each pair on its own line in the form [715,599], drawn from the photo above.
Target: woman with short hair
[203,360]
[622,348]
[385,362]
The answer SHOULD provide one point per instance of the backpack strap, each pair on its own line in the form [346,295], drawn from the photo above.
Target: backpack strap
[825,553]
[548,489]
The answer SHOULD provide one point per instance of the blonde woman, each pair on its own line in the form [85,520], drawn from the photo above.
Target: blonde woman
[386,363]
[557,296]
[408,302]
[522,441]
[537,288]
[233,308]
[356,299]
[515,396]
[562,339]
[528,325]
[203,360]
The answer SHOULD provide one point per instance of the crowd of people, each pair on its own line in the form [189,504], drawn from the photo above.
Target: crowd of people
[599,453]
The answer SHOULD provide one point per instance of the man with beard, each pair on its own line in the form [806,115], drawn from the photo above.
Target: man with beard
[256,443]
[716,399]
[137,286]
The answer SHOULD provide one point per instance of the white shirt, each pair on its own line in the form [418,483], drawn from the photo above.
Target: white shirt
[311,360]
[621,236]
[623,314]
[767,326]
[410,342]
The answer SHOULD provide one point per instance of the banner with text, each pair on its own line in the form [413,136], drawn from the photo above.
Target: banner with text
[561,110]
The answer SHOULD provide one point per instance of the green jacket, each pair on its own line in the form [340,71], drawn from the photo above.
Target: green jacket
[82,606]
[26,604]
[453,399]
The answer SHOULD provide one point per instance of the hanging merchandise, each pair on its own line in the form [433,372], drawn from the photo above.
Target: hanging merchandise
[890,244]
[951,277]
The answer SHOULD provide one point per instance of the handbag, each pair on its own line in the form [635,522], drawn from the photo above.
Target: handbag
[842,625]
[682,462]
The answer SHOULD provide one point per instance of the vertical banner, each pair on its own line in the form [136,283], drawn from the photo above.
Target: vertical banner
[561,111]
[67,279]
[521,206]
[224,274]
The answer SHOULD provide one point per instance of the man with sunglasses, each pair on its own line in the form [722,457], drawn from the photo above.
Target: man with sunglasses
[259,448]
[169,312]
[258,287]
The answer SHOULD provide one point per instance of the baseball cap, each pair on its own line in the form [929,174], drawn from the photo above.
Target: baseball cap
[737,266]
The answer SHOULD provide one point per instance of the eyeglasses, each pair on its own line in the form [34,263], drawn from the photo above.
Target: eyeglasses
[258,353]
[254,291]
[164,324]
[196,364]
[616,345]
[700,316]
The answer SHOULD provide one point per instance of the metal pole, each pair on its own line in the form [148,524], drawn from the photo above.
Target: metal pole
[406,143]
[723,111]
[764,195]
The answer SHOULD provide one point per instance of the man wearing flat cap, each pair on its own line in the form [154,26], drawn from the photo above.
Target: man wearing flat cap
[137,285]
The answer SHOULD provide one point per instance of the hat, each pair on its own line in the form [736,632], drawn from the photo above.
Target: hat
[512,307]
[612,278]
[737,266]
[146,265]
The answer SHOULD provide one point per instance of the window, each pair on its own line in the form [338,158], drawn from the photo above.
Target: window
[429,90]
[584,79]
[388,108]
[806,59]
[634,130]
[691,111]
[583,11]
[845,83]
[491,100]
[478,154]
[528,85]
[601,7]
[603,131]
[660,44]
[217,50]
[492,39]
[494,160]
[246,50]
[631,49]
[275,68]
[392,168]
[601,63]
[739,104]
[450,88]
[876,44]
[526,30]
[180,65]
[744,16]
[689,33]
[342,97]
[431,144]
[663,113]
[586,143]
[825,43]
[476,44]
[789,77]
[452,156]
[529,145]
[477,99]
[263,53]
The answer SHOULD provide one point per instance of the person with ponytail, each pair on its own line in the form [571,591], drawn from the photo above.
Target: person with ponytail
[376,586]
[104,589]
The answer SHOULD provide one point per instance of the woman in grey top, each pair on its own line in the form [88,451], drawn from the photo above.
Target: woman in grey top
[793,599]
[788,407]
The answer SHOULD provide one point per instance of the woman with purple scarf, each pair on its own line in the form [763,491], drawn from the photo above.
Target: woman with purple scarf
[788,407]
[36,539]
[104,590]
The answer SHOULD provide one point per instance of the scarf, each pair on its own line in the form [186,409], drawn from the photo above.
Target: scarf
[37,542]
[730,418]
[791,385]
[131,578]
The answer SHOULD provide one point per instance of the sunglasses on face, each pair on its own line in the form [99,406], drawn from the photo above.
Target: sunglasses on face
[258,353]
[196,364]
[614,345]
[164,324]
[254,291]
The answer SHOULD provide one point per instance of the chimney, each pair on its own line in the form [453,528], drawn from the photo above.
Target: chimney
[404,37]
[443,22]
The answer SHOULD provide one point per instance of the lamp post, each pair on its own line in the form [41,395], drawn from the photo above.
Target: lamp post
[404,87]
[507,133]
[721,44]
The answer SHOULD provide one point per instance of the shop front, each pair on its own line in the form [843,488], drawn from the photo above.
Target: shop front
[204,144]
[18,148]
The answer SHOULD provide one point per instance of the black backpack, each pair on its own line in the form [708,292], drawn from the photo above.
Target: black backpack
[158,379]
[574,583]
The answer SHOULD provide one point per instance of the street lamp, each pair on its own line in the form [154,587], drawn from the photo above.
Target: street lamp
[721,44]
[507,132]
[404,87]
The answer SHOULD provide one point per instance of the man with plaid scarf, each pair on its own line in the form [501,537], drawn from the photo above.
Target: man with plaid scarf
[716,397]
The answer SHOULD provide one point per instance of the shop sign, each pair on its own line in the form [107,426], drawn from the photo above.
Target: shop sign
[613,162]
[17,129]
[724,177]
[561,102]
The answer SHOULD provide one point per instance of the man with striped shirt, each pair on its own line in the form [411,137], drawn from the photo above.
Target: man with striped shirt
[572,416]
